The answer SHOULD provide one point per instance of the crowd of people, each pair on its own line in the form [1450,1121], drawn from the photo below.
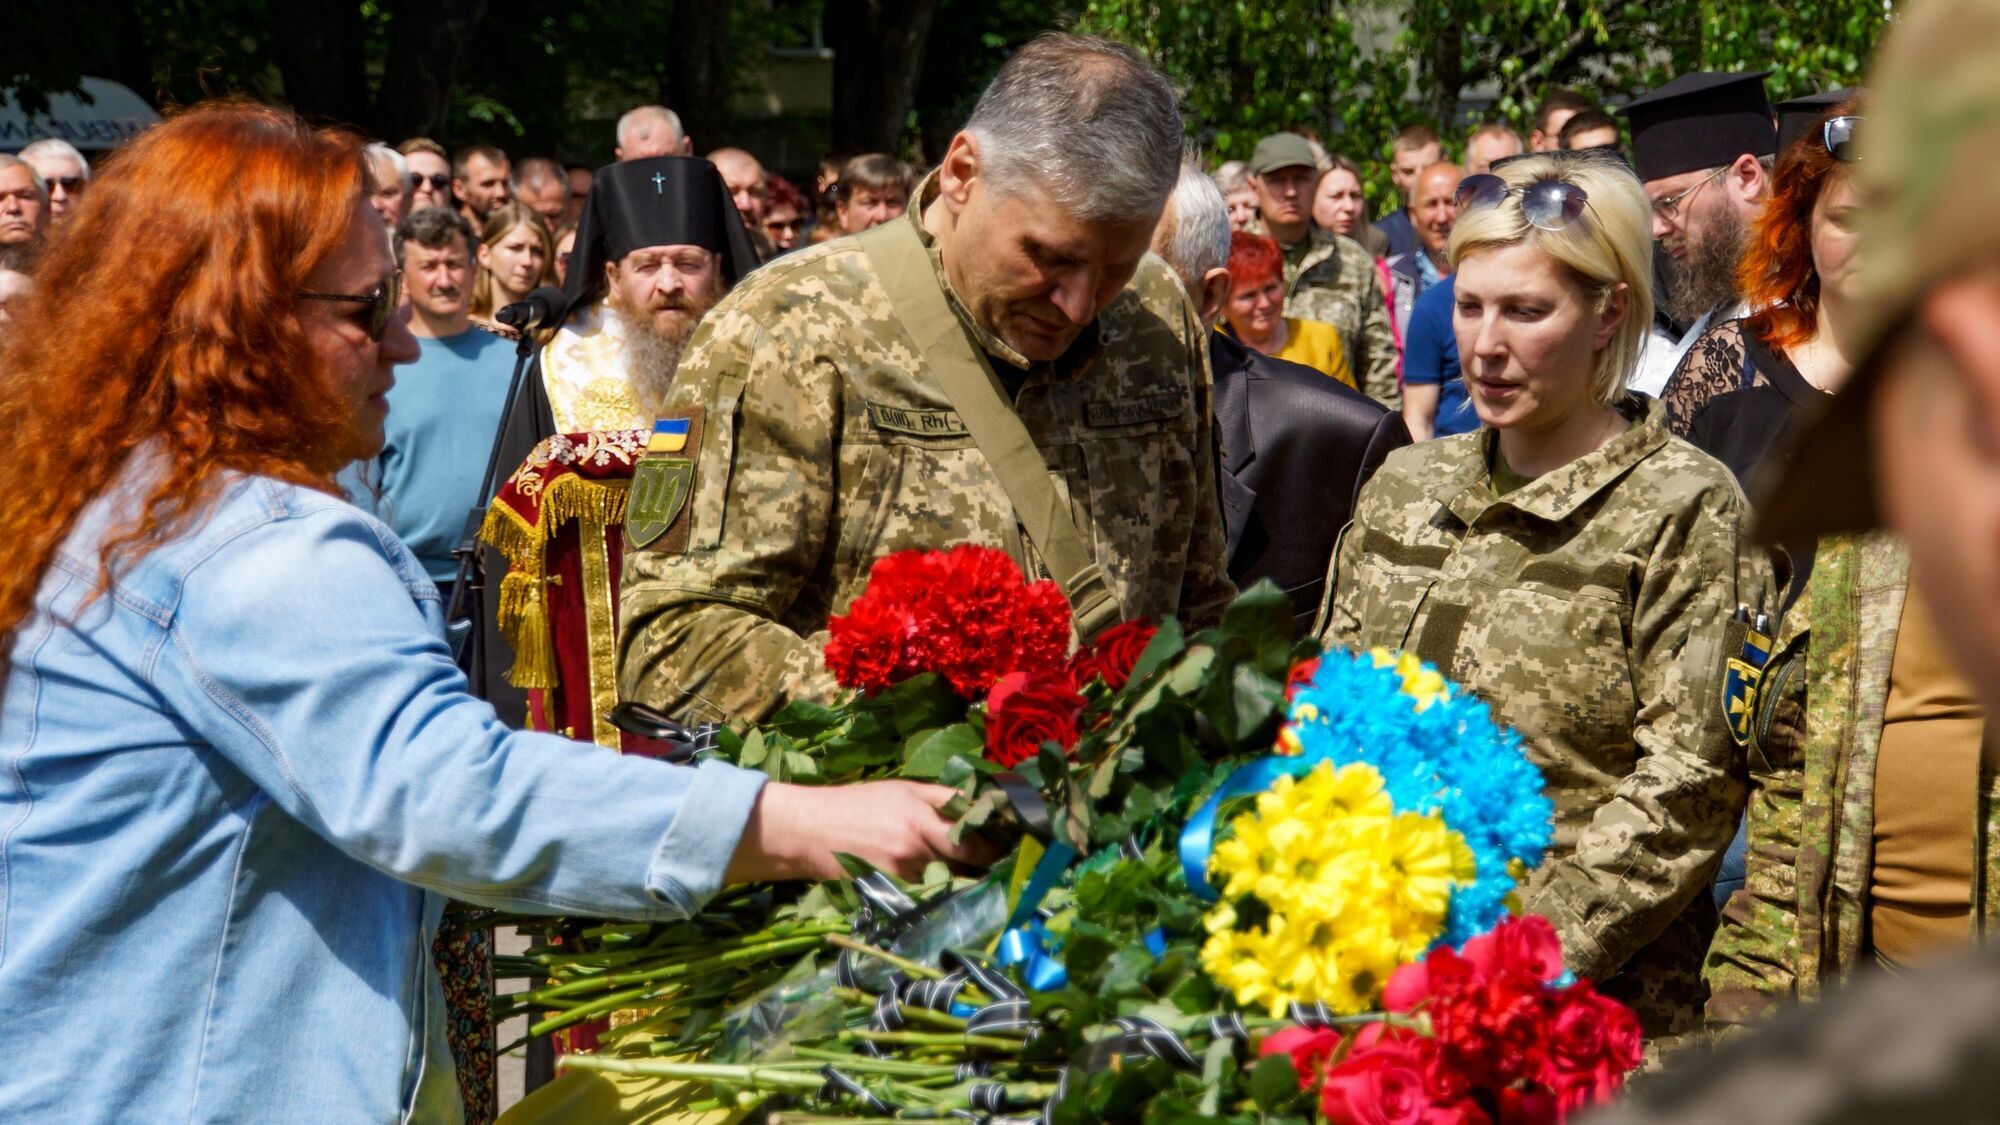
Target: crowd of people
[1515,425]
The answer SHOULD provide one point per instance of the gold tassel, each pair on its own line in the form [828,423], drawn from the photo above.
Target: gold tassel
[524,621]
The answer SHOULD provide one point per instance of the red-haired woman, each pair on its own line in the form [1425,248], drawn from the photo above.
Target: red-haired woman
[1744,381]
[1872,815]
[239,769]
[1255,311]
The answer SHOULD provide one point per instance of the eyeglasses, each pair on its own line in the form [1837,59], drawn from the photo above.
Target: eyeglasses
[382,303]
[69,184]
[438,181]
[1670,207]
[1546,204]
[1838,136]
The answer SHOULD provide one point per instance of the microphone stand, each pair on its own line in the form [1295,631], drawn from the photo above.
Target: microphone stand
[470,579]
[470,584]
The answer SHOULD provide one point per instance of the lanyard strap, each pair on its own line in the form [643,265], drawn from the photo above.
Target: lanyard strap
[904,267]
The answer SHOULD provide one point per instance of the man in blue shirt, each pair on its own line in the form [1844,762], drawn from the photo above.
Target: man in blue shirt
[445,408]
[1434,400]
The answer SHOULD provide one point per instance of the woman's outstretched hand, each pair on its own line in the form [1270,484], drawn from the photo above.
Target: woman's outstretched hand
[795,830]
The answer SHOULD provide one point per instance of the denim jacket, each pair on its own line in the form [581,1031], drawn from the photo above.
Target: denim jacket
[234,791]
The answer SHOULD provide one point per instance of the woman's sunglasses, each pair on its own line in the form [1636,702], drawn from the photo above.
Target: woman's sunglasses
[1838,136]
[1547,204]
[382,303]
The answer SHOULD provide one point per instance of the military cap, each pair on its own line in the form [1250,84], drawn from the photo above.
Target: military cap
[1699,121]
[1932,142]
[1797,117]
[1282,150]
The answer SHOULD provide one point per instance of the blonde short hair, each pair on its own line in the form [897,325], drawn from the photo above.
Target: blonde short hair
[1611,244]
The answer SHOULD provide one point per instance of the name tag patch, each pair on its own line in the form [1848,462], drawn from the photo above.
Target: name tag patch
[920,423]
[1132,411]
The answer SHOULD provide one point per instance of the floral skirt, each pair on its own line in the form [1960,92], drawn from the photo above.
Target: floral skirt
[465,968]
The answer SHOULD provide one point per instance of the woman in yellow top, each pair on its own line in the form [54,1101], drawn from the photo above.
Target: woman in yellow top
[1255,311]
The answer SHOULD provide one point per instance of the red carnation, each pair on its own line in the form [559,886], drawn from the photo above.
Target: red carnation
[1301,675]
[1026,709]
[966,614]
[866,648]
[1311,1049]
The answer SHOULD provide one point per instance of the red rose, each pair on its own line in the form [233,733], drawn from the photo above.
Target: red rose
[1594,1041]
[1113,654]
[1380,1084]
[1515,1025]
[1533,1106]
[1525,945]
[1311,1049]
[1026,709]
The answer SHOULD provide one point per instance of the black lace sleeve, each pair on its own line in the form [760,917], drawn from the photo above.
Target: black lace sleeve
[1714,365]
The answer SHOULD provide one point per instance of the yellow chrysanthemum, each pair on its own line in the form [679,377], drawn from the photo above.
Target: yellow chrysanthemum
[1425,685]
[1350,889]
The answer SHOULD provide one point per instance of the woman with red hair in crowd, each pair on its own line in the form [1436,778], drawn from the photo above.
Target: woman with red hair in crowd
[1743,383]
[1255,311]
[242,771]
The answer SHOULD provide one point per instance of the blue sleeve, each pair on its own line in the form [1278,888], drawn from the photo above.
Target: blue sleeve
[363,480]
[299,652]
[1430,331]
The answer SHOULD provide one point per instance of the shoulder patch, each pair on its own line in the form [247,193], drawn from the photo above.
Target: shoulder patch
[656,510]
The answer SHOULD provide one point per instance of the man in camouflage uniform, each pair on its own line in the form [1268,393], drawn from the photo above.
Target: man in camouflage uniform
[817,438]
[1800,926]
[1924,405]
[1328,278]
[1592,609]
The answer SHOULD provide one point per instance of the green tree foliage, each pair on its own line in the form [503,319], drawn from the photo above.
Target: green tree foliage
[1354,71]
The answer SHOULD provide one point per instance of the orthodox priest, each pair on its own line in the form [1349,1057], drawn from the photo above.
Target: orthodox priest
[658,244]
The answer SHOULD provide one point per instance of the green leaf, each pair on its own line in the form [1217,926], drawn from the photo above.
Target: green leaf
[1262,615]
[1274,1083]
[1165,645]
[927,755]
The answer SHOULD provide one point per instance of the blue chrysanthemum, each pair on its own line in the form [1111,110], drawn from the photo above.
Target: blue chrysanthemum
[1448,755]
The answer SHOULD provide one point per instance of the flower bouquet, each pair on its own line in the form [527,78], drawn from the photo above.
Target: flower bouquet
[1246,881]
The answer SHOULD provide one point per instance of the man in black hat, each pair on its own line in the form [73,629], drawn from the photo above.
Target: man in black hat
[659,243]
[1703,145]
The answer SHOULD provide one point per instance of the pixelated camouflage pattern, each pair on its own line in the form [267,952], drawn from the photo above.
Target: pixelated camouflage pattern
[1332,279]
[1800,925]
[1590,608]
[829,444]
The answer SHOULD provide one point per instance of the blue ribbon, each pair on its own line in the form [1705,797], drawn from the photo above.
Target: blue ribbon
[1032,946]
[1198,835]
[1029,947]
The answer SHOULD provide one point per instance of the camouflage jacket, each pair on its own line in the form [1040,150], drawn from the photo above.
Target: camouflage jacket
[821,442]
[1591,609]
[1332,279]
[1798,926]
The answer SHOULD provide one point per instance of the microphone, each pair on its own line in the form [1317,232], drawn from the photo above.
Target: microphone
[542,309]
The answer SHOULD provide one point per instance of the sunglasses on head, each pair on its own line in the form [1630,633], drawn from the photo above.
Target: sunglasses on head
[381,303]
[438,180]
[1838,136]
[1546,204]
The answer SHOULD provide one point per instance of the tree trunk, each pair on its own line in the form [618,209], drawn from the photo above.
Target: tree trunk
[697,82]
[1447,72]
[427,48]
[320,58]
[878,47]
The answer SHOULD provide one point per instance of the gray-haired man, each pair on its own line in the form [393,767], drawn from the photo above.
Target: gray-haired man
[847,402]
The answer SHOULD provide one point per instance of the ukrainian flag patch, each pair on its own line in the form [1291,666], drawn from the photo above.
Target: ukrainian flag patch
[670,435]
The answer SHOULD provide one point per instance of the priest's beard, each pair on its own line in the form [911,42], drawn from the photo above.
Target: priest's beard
[652,353]
[1707,278]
